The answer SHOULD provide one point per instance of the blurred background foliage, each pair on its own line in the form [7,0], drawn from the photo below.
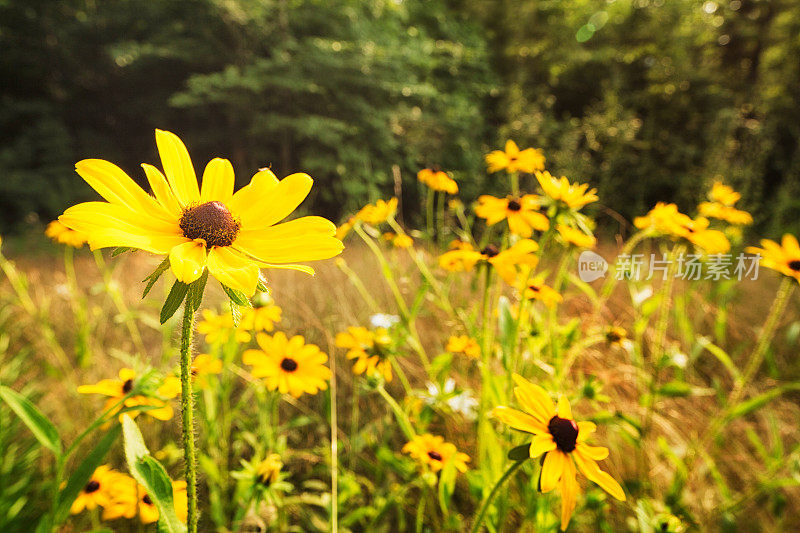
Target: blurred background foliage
[646,99]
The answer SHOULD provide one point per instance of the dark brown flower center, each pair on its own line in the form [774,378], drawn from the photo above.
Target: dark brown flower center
[147,499]
[534,288]
[490,251]
[564,432]
[514,205]
[92,486]
[436,456]
[127,386]
[211,222]
[613,336]
[288,365]
[795,265]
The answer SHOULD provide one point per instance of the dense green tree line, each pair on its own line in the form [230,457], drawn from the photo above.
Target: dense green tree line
[647,99]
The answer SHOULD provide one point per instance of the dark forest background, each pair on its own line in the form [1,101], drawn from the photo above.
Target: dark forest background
[647,100]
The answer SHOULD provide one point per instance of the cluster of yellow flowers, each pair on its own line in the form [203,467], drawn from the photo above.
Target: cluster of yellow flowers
[120,496]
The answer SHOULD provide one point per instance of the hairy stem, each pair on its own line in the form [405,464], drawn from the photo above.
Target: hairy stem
[187,404]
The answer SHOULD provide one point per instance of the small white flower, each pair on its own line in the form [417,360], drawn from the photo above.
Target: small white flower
[464,403]
[680,359]
[382,320]
[639,297]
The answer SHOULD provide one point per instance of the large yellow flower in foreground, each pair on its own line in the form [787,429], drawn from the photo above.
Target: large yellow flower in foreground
[573,195]
[522,213]
[289,365]
[208,226]
[433,451]
[515,160]
[783,257]
[563,440]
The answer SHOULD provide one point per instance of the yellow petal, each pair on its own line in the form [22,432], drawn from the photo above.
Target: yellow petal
[569,493]
[534,398]
[541,444]
[552,469]
[178,167]
[593,472]
[259,212]
[585,430]
[309,247]
[563,410]
[118,188]
[297,227]
[187,261]
[598,453]
[519,420]
[233,269]
[218,179]
[260,186]
[161,189]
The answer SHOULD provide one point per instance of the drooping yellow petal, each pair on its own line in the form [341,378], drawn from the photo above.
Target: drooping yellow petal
[592,471]
[552,469]
[161,189]
[233,269]
[519,420]
[218,179]
[178,167]
[113,184]
[542,443]
[569,493]
[187,261]
[260,212]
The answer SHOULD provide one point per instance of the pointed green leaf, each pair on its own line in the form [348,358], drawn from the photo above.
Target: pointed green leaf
[196,289]
[152,278]
[151,475]
[44,430]
[237,297]
[520,453]
[120,250]
[447,483]
[174,300]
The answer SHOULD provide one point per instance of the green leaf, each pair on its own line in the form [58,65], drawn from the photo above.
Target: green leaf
[520,453]
[262,285]
[120,250]
[174,300]
[152,278]
[447,483]
[236,314]
[151,475]
[675,389]
[237,297]
[196,289]
[760,401]
[44,430]
[84,472]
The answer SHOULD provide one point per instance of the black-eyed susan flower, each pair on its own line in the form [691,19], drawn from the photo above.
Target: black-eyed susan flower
[130,499]
[438,180]
[377,213]
[512,159]
[522,213]
[368,349]
[729,214]
[344,229]
[783,257]
[463,344]
[219,328]
[117,389]
[462,257]
[520,254]
[560,190]
[289,366]
[96,491]
[261,317]
[576,237]
[63,235]
[617,336]
[535,289]
[398,240]
[208,226]
[723,194]
[268,470]
[563,441]
[666,219]
[203,367]
[435,453]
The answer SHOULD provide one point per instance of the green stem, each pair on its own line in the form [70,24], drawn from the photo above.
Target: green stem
[401,417]
[429,212]
[514,184]
[187,414]
[476,526]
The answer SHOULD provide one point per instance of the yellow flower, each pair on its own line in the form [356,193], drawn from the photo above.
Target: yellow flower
[562,439]
[344,229]
[726,213]
[369,349]
[62,234]
[262,318]
[117,389]
[398,240]
[573,195]
[513,160]
[522,213]
[289,365]
[96,491]
[131,498]
[434,452]
[784,257]
[723,194]
[438,180]
[463,344]
[231,234]
[576,237]
[377,213]
[616,335]
[461,258]
[204,366]
[269,469]
[535,289]
[219,328]
[666,219]
[519,254]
